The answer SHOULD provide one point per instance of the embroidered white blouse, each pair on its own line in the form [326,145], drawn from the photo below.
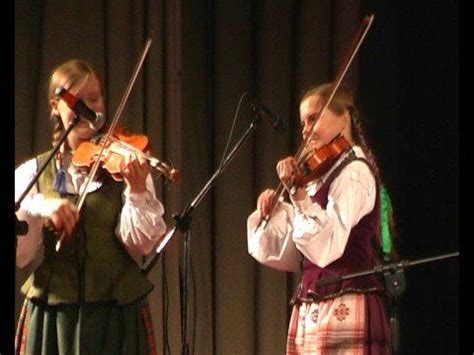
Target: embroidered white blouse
[304,228]
[140,226]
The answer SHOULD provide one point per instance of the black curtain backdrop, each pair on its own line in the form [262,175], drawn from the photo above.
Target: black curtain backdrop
[410,93]
[204,56]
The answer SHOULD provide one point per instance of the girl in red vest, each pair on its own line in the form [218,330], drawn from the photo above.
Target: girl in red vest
[330,227]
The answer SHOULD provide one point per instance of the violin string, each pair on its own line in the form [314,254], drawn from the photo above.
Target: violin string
[160,166]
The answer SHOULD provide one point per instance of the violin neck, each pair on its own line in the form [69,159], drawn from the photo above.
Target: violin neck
[158,165]
[155,163]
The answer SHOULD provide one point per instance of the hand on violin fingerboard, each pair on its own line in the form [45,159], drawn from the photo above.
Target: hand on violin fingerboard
[286,169]
[134,171]
[290,174]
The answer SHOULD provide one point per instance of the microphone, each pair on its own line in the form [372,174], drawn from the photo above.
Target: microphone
[274,121]
[96,119]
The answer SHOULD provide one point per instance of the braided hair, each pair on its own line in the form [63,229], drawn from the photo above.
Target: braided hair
[343,100]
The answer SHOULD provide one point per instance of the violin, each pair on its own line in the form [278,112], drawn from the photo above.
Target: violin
[121,145]
[317,162]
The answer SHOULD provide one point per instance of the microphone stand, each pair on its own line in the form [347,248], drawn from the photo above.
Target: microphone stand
[22,226]
[395,284]
[183,223]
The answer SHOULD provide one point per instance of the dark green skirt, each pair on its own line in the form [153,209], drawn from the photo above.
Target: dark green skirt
[85,329]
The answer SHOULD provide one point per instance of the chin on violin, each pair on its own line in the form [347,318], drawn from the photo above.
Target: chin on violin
[296,174]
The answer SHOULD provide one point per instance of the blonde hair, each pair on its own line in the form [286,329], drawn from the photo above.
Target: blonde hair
[67,75]
[343,100]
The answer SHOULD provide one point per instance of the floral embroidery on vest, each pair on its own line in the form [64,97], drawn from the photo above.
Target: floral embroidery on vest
[342,312]
[314,315]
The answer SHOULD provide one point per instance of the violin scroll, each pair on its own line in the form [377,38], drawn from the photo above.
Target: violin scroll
[174,175]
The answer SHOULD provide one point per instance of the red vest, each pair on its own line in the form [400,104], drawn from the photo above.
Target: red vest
[359,254]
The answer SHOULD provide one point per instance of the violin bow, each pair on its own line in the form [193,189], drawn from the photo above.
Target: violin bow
[348,59]
[118,113]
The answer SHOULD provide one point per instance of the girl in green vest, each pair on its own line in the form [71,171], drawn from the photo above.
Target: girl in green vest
[90,296]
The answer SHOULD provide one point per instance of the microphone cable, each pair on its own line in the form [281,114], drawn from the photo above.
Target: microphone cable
[236,114]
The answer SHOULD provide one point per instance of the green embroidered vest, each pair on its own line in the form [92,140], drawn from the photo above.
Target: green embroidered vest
[93,266]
